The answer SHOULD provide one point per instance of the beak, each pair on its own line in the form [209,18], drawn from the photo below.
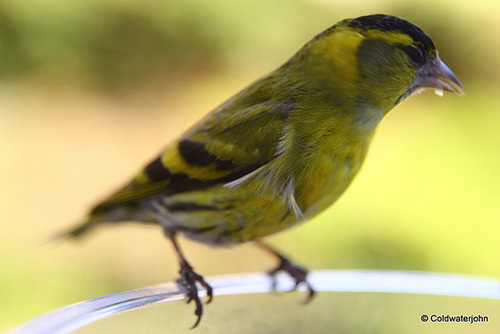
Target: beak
[438,76]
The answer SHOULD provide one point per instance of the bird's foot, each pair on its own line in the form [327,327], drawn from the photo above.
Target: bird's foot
[296,272]
[188,281]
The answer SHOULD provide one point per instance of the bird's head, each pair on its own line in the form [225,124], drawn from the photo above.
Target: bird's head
[377,60]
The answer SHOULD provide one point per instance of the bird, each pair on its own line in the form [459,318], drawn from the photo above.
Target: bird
[281,150]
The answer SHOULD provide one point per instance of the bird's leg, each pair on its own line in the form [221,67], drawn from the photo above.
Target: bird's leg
[188,280]
[298,273]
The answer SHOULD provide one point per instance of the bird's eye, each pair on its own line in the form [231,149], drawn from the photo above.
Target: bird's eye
[415,53]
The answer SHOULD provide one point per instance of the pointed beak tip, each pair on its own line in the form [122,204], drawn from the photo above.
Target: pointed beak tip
[446,77]
[438,76]
[460,91]
[454,87]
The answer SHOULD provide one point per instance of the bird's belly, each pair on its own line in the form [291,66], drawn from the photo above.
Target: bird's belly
[253,210]
[224,216]
[327,177]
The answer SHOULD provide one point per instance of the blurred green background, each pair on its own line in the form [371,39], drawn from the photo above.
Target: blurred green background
[91,90]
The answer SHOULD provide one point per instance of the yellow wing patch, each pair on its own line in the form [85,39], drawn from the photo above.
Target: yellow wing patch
[228,144]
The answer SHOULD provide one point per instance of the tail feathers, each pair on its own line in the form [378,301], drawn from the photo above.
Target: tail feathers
[114,215]
[82,229]
[78,231]
[75,232]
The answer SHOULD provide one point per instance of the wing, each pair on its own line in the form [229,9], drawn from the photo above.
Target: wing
[227,144]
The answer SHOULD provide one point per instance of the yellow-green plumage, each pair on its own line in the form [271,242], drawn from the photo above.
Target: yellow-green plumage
[285,148]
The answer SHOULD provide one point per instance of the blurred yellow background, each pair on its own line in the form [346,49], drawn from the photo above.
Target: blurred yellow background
[91,90]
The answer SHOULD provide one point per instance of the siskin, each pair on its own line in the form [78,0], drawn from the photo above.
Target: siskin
[284,148]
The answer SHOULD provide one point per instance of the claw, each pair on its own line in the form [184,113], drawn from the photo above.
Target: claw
[296,272]
[188,281]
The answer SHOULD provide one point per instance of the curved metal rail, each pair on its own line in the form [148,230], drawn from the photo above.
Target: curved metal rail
[72,317]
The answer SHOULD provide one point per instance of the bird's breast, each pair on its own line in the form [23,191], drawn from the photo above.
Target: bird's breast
[327,174]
